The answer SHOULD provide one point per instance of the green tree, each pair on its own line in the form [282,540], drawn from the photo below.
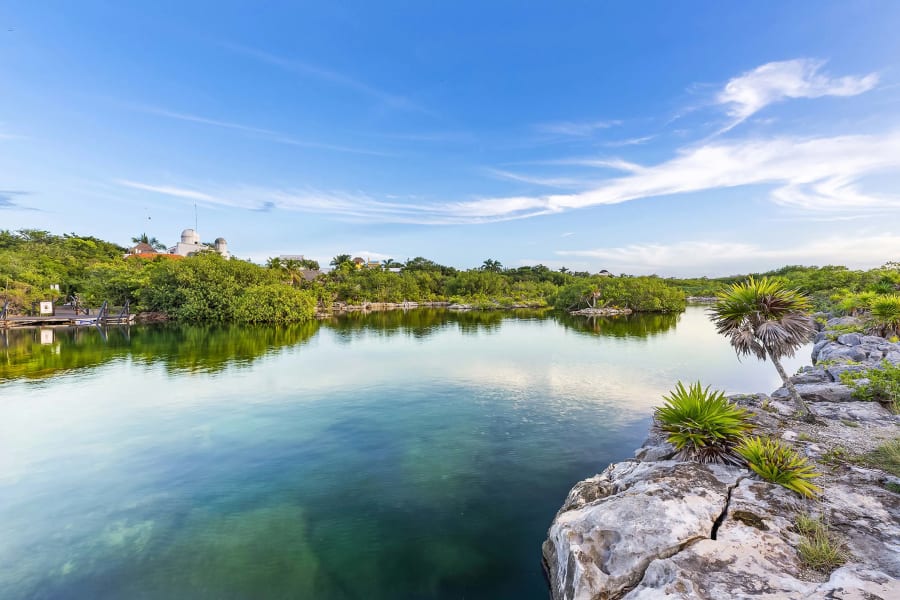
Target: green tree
[766,319]
[340,260]
[494,266]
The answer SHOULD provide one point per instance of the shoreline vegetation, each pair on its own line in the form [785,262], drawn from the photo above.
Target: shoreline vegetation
[209,288]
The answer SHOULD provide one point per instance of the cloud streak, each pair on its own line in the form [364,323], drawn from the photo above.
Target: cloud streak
[329,76]
[257,132]
[750,92]
[704,257]
[8,200]
[575,128]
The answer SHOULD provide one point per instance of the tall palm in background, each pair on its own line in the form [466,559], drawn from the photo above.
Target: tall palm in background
[152,241]
[767,320]
[340,259]
[494,266]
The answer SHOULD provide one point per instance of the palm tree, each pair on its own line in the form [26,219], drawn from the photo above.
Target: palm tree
[294,271]
[389,263]
[275,264]
[767,320]
[151,241]
[492,265]
[564,270]
[340,259]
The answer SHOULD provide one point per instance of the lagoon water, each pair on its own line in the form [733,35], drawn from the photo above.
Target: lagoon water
[393,455]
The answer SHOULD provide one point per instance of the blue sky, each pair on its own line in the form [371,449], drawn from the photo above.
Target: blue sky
[676,138]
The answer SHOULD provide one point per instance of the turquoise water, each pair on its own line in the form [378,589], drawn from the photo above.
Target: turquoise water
[399,455]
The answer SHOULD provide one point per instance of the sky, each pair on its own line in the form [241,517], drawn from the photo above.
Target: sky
[677,138]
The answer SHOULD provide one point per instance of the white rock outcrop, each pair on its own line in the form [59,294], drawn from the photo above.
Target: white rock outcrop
[654,528]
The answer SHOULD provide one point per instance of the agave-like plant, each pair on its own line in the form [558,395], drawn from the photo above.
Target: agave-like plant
[765,319]
[702,424]
[885,315]
[779,463]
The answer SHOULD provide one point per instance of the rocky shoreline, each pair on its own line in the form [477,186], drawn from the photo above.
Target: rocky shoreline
[601,312]
[653,527]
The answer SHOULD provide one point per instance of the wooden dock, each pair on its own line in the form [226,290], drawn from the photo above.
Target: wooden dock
[68,316]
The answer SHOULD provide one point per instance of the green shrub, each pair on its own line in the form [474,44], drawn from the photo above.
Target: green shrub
[819,547]
[274,303]
[702,425]
[778,463]
[879,384]
[885,316]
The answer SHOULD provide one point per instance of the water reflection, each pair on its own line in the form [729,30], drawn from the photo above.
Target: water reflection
[41,353]
[33,354]
[631,326]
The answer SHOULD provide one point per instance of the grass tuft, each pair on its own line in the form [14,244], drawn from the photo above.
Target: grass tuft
[819,548]
[885,457]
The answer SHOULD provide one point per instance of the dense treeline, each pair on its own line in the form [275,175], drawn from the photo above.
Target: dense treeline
[831,288]
[208,288]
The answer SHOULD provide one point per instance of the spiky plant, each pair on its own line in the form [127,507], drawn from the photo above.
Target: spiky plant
[702,424]
[765,319]
[779,463]
[854,304]
[885,316]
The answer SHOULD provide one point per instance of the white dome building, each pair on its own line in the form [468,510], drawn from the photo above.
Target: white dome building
[189,236]
[221,246]
[190,244]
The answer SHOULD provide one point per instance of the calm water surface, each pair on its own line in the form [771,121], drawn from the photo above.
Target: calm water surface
[397,455]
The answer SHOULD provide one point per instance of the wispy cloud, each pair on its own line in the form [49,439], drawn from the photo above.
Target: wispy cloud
[8,200]
[258,132]
[809,174]
[575,128]
[167,190]
[814,174]
[554,182]
[635,141]
[707,257]
[772,82]
[328,75]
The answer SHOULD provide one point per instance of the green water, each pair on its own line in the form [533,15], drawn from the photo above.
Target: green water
[396,455]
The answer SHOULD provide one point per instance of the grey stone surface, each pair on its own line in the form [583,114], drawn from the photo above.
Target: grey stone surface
[818,392]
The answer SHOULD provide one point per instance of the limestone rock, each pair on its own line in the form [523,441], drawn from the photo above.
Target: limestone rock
[613,525]
[818,392]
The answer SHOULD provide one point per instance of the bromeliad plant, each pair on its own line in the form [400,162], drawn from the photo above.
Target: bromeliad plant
[765,319]
[702,424]
[778,463]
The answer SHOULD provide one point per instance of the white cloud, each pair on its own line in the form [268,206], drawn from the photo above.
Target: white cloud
[575,128]
[813,174]
[167,190]
[636,141]
[371,255]
[556,182]
[257,132]
[724,258]
[775,81]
